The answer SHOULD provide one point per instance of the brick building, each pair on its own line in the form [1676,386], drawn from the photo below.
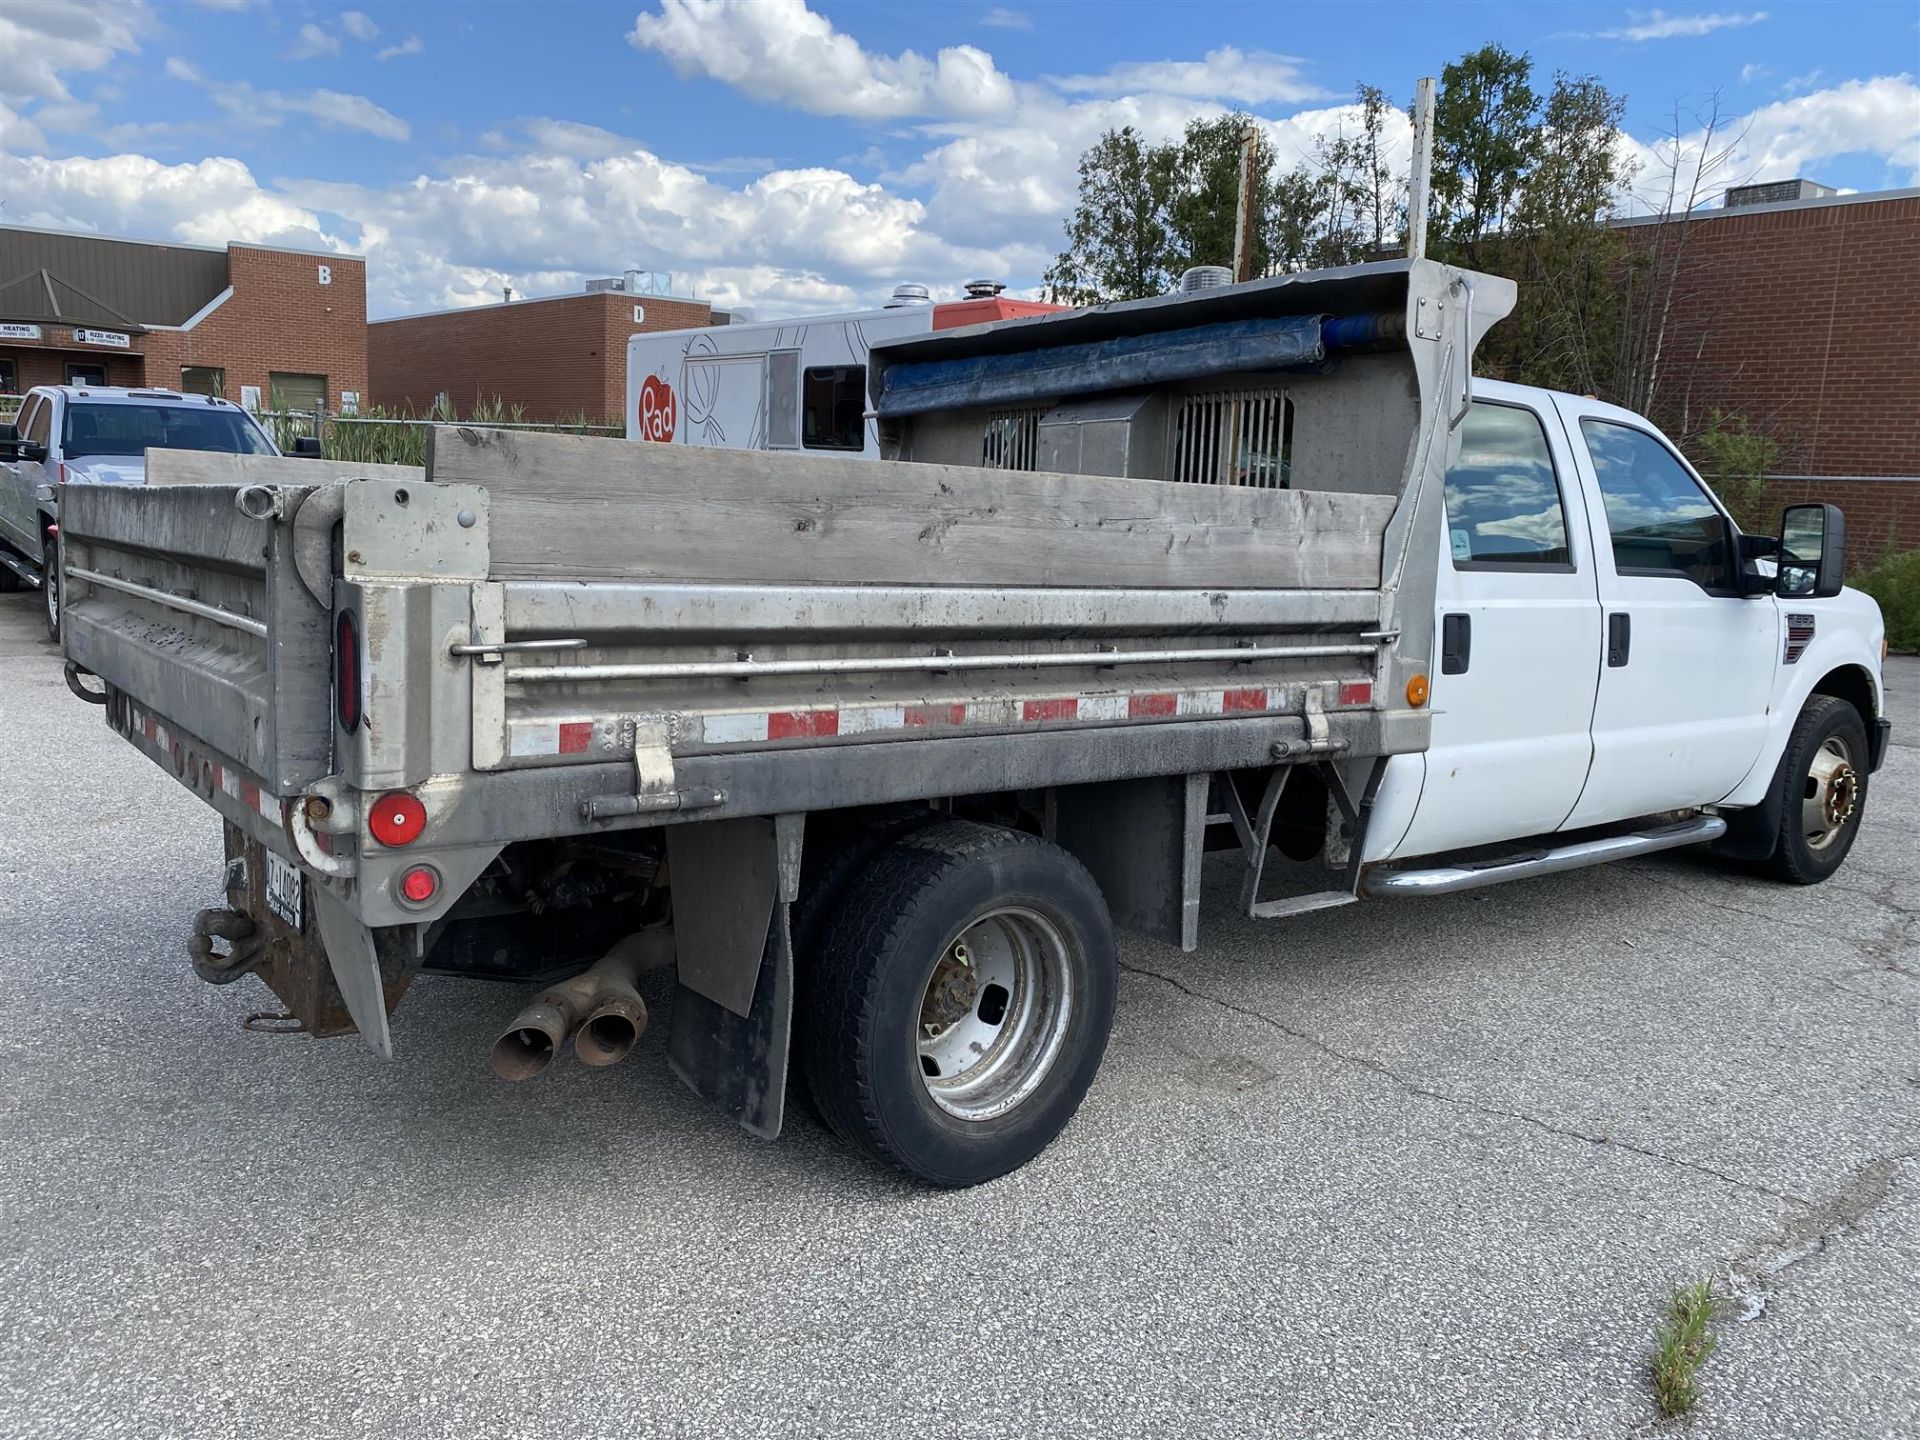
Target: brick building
[255,323]
[1802,315]
[557,358]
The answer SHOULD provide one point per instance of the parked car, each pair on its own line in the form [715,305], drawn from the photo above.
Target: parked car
[880,753]
[73,434]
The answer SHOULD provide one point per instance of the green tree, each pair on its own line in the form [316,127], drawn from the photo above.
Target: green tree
[1117,237]
[1565,329]
[1485,128]
[1204,187]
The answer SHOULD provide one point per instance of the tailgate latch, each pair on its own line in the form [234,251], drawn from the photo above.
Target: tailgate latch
[654,789]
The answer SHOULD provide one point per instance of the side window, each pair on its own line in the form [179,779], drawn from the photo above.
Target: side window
[833,408]
[783,399]
[23,422]
[1504,509]
[1661,521]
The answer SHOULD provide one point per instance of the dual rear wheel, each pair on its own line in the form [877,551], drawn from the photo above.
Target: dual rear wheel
[955,999]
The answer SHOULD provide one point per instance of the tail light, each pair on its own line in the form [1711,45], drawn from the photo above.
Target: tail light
[346,670]
[396,819]
[419,884]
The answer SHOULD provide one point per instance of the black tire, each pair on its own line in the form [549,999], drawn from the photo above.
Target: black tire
[1796,858]
[861,1011]
[50,588]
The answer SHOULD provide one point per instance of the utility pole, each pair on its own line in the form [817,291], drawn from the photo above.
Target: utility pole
[1422,177]
[1243,205]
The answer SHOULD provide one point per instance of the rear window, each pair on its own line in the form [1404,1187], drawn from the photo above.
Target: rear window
[133,429]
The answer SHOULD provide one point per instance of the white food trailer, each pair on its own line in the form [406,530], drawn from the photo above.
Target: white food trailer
[797,384]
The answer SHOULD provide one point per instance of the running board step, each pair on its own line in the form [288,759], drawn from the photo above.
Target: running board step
[25,569]
[1300,904]
[1452,879]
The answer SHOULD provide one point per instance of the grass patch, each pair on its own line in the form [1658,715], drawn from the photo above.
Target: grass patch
[1682,1346]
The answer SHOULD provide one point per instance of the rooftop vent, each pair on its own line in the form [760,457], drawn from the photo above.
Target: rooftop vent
[905,295]
[983,289]
[1774,192]
[1205,277]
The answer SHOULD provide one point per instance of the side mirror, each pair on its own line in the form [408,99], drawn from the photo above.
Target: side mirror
[9,442]
[1813,551]
[307,445]
[27,450]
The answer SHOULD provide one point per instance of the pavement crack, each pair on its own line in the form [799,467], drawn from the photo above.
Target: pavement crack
[1427,1092]
[1805,1237]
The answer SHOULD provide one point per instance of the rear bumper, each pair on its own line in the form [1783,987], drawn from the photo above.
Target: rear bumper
[1877,741]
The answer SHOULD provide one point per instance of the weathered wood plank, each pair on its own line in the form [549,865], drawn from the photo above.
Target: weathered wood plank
[214,467]
[574,507]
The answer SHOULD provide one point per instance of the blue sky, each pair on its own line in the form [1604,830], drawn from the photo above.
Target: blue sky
[798,155]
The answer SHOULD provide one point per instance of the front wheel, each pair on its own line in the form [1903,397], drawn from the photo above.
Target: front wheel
[1822,781]
[959,1002]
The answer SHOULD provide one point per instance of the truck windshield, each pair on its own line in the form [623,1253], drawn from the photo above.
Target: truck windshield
[132,429]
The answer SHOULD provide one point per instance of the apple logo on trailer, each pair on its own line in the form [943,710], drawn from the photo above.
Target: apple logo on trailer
[658,411]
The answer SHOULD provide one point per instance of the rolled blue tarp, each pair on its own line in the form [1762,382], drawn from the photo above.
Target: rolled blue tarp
[1290,342]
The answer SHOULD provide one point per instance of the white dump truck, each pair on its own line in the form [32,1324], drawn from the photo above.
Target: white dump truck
[878,756]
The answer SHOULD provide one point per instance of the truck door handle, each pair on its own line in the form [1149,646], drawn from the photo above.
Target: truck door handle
[1619,639]
[1456,643]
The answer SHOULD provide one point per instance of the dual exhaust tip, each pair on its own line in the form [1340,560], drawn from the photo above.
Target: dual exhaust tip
[599,1010]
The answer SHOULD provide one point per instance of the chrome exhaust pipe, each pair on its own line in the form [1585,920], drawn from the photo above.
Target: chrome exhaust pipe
[604,991]
[617,1016]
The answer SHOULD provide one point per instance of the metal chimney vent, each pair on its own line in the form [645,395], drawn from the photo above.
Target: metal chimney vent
[1205,277]
[904,295]
[983,289]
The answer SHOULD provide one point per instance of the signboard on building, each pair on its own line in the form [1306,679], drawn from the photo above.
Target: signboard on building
[12,330]
[103,337]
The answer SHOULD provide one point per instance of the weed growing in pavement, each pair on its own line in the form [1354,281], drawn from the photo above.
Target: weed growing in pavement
[1682,1346]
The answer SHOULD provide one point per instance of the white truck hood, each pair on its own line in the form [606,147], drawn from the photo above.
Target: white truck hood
[108,470]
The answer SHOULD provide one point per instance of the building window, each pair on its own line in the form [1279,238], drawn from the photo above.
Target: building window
[87,375]
[203,380]
[296,392]
[833,407]
[9,376]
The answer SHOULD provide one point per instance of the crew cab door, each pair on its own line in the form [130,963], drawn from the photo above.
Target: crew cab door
[1681,714]
[1518,615]
[20,480]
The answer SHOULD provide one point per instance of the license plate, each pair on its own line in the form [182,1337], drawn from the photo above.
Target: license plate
[286,891]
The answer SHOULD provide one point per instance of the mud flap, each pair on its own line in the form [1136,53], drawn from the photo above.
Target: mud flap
[356,969]
[738,1063]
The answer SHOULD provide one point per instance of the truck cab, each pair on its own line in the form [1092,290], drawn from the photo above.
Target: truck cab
[1611,646]
[93,434]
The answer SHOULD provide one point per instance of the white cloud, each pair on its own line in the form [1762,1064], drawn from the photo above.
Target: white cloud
[207,202]
[43,38]
[1255,77]
[779,51]
[314,44]
[1752,72]
[19,135]
[412,45]
[1658,25]
[269,107]
[1789,139]
[1002,18]
[359,25]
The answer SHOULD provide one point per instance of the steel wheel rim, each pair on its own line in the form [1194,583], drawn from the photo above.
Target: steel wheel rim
[1832,793]
[51,585]
[994,1014]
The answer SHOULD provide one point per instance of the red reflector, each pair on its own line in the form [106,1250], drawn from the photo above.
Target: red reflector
[397,819]
[346,670]
[1356,692]
[420,884]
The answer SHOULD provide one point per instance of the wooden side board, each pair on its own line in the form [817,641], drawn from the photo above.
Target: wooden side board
[577,507]
[211,467]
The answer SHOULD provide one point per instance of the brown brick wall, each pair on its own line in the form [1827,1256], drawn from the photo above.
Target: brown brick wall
[1806,322]
[556,359]
[1882,515]
[280,318]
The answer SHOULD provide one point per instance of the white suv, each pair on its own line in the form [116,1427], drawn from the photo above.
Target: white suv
[72,434]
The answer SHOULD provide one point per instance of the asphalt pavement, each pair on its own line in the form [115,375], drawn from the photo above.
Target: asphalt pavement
[1415,1168]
